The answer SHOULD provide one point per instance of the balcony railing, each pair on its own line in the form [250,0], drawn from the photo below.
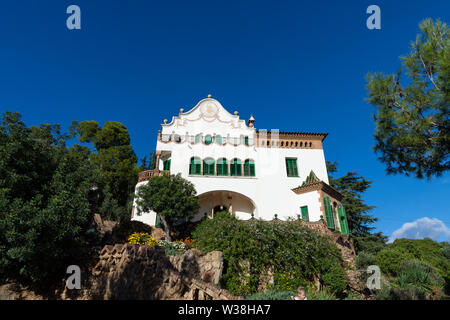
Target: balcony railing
[200,139]
[145,175]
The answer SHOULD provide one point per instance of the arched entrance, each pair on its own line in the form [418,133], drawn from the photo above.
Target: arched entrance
[220,208]
[235,203]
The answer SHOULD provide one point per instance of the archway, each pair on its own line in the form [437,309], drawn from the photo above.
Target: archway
[235,203]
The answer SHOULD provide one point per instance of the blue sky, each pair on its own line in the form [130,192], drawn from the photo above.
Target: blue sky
[294,65]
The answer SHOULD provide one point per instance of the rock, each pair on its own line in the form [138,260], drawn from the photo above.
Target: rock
[158,233]
[12,291]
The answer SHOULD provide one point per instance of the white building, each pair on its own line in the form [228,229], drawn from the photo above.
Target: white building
[250,173]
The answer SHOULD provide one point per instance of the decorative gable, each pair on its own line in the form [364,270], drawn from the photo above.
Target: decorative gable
[207,116]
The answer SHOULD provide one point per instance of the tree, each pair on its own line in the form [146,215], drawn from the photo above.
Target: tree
[412,118]
[149,164]
[44,202]
[352,187]
[115,158]
[170,196]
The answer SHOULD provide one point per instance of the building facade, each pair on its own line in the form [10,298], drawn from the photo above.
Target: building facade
[248,172]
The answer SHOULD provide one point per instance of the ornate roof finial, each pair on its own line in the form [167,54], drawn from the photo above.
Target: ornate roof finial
[165,120]
[251,121]
[236,113]
[209,96]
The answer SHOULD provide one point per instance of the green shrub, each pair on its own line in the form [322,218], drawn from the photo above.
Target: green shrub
[287,281]
[319,295]
[251,247]
[390,260]
[271,295]
[370,244]
[410,292]
[172,248]
[365,259]
[335,279]
[445,250]
[426,250]
[286,295]
[421,275]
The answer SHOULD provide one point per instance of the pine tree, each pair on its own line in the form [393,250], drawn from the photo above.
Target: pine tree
[412,115]
[352,187]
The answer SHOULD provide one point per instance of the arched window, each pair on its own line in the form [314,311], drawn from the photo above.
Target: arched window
[208,139]
[195,166]
[236,167]
[198,138]
[219,140]
[222,167]
[310,144]
[249,168]
[208,167]
[282,143]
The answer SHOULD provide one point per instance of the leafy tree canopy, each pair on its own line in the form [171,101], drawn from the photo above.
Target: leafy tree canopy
[169,196]
[115,157]
[44,201]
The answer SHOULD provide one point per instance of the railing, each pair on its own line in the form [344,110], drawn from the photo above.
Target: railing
[200,139]
[145,175]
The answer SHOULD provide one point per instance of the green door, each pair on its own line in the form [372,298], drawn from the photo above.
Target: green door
[305,215]
[343,220]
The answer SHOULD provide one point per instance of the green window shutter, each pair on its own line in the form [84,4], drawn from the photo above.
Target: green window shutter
[343,220]
[198,138]
[288,167]
[208,167]
[196,166]
[222,167]
[246,141]
[291,167]
[158,223]
[166,165]
[249,168]
[305,214]
[328,212]
[219,139]
[294,168]
[236,167]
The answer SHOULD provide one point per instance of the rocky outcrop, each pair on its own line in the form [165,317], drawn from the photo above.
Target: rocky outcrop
[126,271]
[13,291]
[207,267]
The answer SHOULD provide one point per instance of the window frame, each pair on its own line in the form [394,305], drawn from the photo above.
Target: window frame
[195,168]
[208,167]
[236,167]
[291,167]
[249,168]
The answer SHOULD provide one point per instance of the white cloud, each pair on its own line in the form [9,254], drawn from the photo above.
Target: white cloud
[422,228]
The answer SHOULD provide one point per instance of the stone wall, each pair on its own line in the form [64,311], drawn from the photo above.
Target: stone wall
[126,271]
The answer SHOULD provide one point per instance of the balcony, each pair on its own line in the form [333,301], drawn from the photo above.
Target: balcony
[145,175]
